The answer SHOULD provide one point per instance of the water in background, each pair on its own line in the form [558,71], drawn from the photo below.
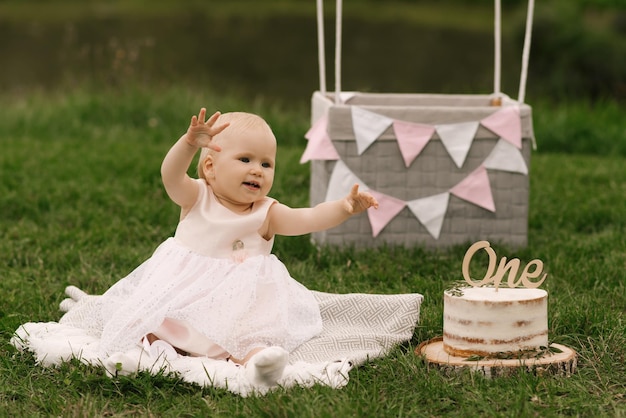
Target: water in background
[274,57]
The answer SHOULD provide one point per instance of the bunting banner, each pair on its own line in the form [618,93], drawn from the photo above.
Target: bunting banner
[319,145]
[388,208]
[367,126]
[431,211]
[341,182]
[506,157]
[506,123]
[475,188]
[412,138]
[457,138]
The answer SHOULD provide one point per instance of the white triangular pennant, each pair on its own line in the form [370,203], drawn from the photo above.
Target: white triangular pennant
[457,138]
[367,126]
[430,211]
[341,182]
[506,157]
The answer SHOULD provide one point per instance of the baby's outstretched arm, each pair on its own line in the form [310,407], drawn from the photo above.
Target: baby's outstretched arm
[178,185]
[284,220]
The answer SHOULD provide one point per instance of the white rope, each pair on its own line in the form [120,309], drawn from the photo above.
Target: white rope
[338,54]
[321,52]
[497,49]
[526,52]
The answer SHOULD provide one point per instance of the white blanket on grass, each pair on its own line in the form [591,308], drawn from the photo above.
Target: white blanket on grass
[356,327]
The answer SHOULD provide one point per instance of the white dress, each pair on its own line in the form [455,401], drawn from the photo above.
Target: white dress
[213,289]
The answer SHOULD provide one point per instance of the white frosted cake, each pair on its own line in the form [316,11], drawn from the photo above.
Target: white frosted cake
[482,321]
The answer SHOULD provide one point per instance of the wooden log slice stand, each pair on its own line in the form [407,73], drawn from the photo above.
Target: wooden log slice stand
[561,363]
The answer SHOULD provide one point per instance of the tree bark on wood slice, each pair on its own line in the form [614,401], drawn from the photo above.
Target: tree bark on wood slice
[561,362]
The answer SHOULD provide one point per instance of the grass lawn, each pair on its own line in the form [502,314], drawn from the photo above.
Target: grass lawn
[81,203]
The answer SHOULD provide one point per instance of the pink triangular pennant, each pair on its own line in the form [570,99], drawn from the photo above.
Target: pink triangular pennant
[457,138]
[475,188]
[506,123]
[412,138]
[367,126]
[388,208]
[319,147]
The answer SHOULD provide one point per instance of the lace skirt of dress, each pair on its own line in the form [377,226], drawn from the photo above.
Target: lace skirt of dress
[237,305]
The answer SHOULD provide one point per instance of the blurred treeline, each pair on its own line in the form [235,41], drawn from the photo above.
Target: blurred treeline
[583,3]
[578,46]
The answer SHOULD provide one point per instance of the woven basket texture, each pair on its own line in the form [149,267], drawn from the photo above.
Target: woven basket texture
[382,168]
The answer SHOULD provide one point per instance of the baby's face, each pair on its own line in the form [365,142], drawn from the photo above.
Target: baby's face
[243,171]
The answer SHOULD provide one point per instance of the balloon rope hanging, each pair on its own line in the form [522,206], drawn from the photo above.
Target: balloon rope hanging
[321,53]
[526,52]
[338,53]
[497,50]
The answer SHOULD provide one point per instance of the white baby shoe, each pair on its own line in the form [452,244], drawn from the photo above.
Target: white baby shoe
[267,366]
[160,349]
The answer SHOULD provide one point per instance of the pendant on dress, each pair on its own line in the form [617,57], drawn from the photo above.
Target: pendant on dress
[239,254]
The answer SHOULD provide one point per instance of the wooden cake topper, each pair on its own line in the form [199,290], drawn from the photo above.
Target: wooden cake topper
[512,266]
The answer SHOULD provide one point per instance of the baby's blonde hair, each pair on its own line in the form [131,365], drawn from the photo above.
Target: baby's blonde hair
[240,123]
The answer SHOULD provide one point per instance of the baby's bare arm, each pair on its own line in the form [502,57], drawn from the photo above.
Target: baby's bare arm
[284,220]
[178,185]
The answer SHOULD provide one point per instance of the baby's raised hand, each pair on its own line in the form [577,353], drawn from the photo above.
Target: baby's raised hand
[200,133]
[357,202]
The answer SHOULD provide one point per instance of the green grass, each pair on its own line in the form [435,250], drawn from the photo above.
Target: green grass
[81,203]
